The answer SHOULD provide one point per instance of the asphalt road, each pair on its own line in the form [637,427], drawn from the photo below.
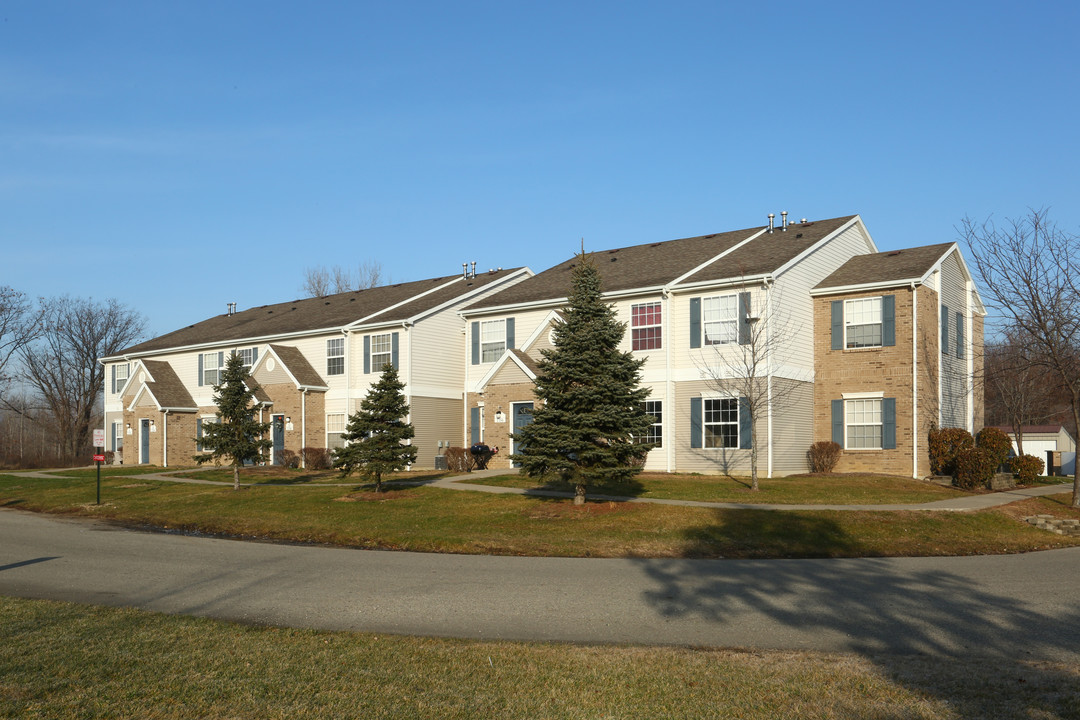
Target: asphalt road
[1013,606]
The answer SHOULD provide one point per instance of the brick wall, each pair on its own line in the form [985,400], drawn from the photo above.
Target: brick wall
[288,402]
[498,434]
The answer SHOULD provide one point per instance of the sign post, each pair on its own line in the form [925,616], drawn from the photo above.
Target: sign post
[99,456]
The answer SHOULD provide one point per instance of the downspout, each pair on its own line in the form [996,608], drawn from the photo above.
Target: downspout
[769,370]
[408,374]
[914,382]
[668,408]
[348,371]
[303,426]
[465,388]
[165,438]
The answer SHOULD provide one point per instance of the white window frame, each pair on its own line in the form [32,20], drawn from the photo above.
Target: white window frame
[863,313]
[710,441]
[333,422]
[247,355]
[722,312]
[118,437]
[123,372]
[655,434]
[335,356]
[855,409]
[492,340]
[382,351]
[646,335]
[210,365]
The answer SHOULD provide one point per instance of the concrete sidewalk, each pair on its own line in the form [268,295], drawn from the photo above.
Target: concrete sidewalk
[966,503]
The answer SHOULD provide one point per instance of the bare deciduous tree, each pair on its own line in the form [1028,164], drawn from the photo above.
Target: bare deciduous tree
[17,328]
[1026,267]
[320,281]
[1017,391]
[745,357]
[62,364]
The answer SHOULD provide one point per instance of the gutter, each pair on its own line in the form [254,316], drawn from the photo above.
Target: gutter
[915,430]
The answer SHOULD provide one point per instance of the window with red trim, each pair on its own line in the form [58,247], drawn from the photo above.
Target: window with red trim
[645,328]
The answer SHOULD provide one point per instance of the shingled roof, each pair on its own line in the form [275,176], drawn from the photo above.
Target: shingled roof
[166,387]
[893,266]
[658,264]
[390,303]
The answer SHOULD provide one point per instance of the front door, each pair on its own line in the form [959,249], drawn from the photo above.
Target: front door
[522,417]
[144,441]
[278,426]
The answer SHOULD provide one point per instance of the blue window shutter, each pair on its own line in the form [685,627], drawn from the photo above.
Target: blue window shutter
[744,312]
[367,354]
[695,324]
[837,324]
[220,365]
[944,329]
[510,334]
[888,423]
[474,425]
[394,350]
[198,434]
[888,320]
[113,373]
[959,335]
[476,343]
[696,434]
[200,369]
[745,424]
[254,355]
[112,436]
[838,422]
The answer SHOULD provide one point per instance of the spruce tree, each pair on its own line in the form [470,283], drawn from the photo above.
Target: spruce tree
[375,434]
[236,435]
[590,403]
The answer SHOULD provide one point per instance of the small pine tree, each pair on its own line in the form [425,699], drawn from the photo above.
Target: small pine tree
[236,435]
[591,405]
[375,433]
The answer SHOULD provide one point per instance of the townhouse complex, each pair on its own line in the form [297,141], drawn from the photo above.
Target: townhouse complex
[846,343]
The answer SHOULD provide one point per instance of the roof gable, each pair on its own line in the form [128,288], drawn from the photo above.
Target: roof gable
[892,267]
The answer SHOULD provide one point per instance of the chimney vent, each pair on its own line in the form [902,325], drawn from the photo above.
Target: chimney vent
[771,216]
[465,270]
[231,308]
[783,218]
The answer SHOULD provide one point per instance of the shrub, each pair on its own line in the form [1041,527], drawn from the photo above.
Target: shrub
[996,443]
[823,456]
[946,445]
[109,456]
[459,459]
[316,458]
[290,459]
[975,467]
[1026,468]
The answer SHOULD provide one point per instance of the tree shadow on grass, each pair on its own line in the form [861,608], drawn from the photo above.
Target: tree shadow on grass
[555,489]
[920,620]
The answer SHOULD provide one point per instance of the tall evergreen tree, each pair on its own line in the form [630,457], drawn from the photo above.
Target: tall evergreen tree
[375,434]
[236,435]
[591,403]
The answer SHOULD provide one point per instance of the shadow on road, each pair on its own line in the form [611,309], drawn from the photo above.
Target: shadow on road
[24,563]
[889,610]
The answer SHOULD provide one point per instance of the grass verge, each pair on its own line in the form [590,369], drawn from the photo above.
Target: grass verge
[61,661]
[436,520]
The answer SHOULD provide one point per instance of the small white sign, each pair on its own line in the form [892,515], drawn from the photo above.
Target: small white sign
[99,437]
[500,417]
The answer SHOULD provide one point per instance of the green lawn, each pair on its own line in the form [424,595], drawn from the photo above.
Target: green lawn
[60,661]
[793,490]
[436,520]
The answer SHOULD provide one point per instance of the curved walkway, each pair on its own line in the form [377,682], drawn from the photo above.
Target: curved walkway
[967,503]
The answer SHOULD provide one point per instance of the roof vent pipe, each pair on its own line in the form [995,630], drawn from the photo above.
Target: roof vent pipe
[783,219]
[771,216]
[473,269]
[231,308]
[465,270]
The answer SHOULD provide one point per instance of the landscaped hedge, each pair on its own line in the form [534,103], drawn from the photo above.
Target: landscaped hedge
[316,458]
[823,456]
[975,467]
[459,459]
[946,445]
[1026,468]
[995,442]
[289,459]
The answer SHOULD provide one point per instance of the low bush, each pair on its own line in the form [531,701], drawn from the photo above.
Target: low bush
[946,445]
[823,456]
[110,456]
[289,459]
[975,467]
[996,443]
[459,459]
[1026,468]
[316,458]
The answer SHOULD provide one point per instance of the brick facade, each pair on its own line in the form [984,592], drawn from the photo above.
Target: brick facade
[497,434]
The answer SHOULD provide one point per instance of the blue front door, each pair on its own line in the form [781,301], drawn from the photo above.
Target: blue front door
[522,417]
[278,424]
[144,441]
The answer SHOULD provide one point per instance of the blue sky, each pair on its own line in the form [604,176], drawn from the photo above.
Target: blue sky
[179,156]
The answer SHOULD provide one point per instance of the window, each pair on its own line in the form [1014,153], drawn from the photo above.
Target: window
[721,422]
[645,326]
[381,351]
[492,340]
[862,320]
[655,435]
[864,424]
[118,436]
[945,329]
[119,376]
[335,427]
[720,316]
[211,368]
[248,356]
[335,356]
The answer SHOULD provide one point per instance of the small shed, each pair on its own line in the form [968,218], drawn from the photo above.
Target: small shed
[1050,443]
